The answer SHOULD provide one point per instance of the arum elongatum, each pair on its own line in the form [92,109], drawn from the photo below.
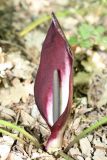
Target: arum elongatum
[54,83]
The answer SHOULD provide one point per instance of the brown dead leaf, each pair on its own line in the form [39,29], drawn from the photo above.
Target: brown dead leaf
[27,120]
[7,113]
[76,123]
[20,91]
[22,68]
[97,93]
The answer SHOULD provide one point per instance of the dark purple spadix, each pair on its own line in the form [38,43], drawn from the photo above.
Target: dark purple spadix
[54,85]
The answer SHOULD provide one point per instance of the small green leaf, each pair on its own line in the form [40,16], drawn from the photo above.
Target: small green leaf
[86,30]
[73,40]
[85,43]
[98,39]
[99,30]
[104,41]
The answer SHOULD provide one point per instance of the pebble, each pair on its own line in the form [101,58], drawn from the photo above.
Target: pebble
[99,155]
[80,158]
[5,147]
[74,152]
[86,146]
[34,111]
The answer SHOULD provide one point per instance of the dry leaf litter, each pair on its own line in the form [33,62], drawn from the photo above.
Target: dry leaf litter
[18,67]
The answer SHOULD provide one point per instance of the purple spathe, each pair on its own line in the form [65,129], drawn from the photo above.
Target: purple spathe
[55,55]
